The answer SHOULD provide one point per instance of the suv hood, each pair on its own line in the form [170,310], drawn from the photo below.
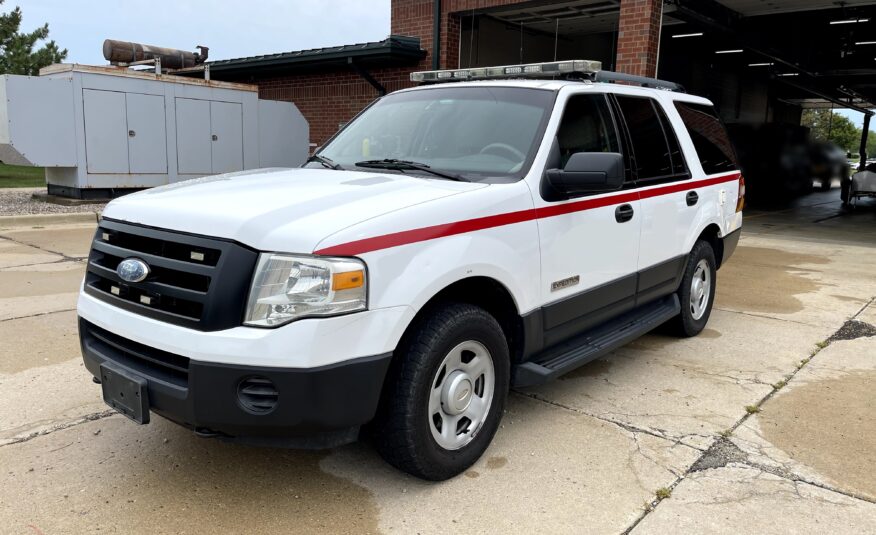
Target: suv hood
[288,210]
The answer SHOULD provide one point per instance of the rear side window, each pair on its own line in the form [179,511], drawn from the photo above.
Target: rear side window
[709,137]
[654,144]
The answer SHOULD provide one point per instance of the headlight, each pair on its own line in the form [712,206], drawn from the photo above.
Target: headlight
[287,287]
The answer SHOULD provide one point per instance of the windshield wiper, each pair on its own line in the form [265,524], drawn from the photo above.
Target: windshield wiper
[401,165]
[326,162]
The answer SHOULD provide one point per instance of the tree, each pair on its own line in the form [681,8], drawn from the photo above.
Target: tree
[17,54]
[825,125]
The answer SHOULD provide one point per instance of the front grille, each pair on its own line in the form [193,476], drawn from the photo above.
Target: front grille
[148,361]
[194,281]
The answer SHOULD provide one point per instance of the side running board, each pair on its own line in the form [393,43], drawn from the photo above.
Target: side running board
[595,343]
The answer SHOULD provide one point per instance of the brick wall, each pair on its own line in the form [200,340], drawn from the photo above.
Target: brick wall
[638,42]
[330,98]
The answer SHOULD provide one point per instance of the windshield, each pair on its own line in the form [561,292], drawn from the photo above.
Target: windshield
[473,132]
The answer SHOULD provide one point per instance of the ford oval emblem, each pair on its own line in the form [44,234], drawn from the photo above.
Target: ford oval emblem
[133,270]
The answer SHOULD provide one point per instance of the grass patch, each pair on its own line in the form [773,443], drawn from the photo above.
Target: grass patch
[663,493]
[780,385]
[726,433]
[822,345]
[18,176]
[751,409]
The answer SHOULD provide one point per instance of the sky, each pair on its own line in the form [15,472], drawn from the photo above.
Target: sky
[856,117]
[229,29]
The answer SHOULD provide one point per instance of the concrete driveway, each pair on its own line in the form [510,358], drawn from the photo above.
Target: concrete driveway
[762,424]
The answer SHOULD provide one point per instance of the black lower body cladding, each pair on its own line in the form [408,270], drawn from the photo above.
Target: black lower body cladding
[315,407]
[731,240]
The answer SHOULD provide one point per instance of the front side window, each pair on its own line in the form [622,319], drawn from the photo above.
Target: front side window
[478,133]
[651,150]
[586,127]
[709,137]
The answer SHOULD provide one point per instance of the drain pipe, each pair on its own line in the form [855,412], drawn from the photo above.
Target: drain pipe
[436,35]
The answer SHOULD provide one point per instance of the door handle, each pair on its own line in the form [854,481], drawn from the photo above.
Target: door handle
[214,137]
[692,198]
[131,133]
[623,213]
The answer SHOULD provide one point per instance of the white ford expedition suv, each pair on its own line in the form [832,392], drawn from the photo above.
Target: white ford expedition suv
[452,241]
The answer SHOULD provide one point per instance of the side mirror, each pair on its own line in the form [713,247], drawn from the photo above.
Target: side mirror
[588,172]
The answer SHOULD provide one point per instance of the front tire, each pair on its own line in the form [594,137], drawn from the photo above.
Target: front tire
[697,291]
[445,393]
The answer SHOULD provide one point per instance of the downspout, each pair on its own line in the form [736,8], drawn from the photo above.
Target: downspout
[436,35]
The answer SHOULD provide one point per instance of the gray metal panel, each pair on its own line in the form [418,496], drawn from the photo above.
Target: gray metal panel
[226,119]
[36,121]
[193,145]
[147,134]
[283,135]
[106,131]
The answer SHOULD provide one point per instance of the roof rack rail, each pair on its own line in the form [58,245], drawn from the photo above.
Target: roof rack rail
[644,81]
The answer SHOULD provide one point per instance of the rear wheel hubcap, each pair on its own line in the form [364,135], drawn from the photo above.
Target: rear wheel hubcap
[700,289]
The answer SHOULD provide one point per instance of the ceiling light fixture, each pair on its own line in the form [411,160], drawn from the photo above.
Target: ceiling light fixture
[865,43]
[733,51]
[697,34]
[761,64]
[849,21]
[788,74]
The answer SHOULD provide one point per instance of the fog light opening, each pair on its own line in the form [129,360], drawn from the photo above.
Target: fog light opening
[257,395]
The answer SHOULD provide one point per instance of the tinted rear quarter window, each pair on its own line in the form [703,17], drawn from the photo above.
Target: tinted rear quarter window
[655,146]
[709,137]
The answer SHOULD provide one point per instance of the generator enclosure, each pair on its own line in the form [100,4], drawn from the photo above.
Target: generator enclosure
[102,131]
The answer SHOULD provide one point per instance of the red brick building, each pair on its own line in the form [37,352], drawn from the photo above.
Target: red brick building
[757,60]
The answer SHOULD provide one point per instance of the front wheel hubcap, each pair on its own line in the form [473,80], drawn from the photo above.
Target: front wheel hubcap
[461,394]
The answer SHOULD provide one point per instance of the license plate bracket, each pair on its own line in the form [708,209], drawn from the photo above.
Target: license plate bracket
[125,392]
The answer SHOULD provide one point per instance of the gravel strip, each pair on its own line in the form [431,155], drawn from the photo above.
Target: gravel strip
[19,201]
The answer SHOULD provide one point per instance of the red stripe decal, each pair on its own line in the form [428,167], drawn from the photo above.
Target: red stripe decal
[405,237]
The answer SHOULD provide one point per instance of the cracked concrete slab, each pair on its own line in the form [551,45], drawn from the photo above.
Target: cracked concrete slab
[17,254]
[39,289]
[740,499]
[72,241]
[34,399]
[689,389]
[115,476]
[593,480]
[38,341]
[820,427]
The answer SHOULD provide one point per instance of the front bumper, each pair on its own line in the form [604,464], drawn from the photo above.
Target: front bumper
[314,407]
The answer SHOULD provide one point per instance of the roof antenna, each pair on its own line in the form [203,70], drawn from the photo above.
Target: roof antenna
[556,36]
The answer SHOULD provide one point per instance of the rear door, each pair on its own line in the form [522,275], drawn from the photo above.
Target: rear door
[588,252]
[668,209]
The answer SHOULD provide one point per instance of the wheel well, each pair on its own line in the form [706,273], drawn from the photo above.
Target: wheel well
[711,234]
[486,293]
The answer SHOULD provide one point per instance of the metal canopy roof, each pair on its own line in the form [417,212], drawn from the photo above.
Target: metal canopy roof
[392,51]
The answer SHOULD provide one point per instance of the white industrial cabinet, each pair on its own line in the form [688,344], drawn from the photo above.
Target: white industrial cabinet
[102,130]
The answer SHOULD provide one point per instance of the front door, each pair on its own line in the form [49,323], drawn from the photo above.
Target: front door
[590,244]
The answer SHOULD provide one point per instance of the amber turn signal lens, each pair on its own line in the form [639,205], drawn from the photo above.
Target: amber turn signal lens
[348,280]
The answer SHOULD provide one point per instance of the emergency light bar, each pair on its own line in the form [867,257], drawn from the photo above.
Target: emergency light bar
[530,70]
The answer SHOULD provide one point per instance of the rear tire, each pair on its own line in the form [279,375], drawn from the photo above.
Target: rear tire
[696,292]
[444,394]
